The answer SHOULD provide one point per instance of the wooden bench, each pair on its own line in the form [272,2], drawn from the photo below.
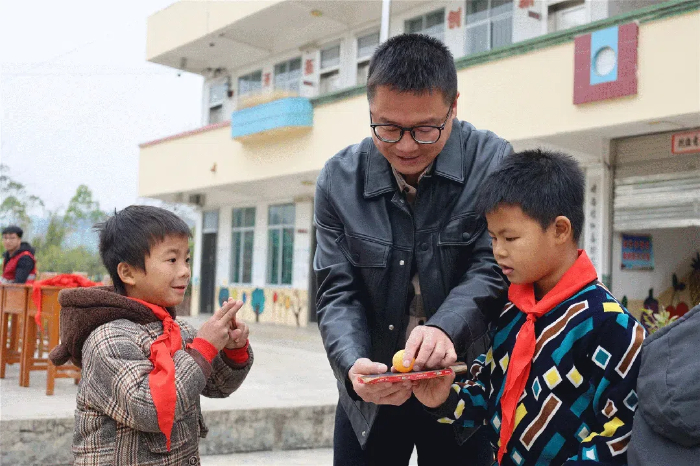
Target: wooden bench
[13,308]
[33,360]
[20,340]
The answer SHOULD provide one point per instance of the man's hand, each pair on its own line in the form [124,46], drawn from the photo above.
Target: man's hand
[433,392]
[386,393]
[431,347]
[238,334]
[216,329]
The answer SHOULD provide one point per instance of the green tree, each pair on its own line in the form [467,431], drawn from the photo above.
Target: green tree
[16,203]
[83,207]
[52,253]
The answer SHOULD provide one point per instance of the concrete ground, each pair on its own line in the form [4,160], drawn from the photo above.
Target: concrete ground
[317,457]
[290,370]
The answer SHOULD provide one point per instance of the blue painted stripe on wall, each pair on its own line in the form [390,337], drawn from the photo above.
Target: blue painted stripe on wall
[572,337]
[288,112]
[599,40]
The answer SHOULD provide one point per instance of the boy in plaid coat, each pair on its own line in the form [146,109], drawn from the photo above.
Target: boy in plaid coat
[143,371]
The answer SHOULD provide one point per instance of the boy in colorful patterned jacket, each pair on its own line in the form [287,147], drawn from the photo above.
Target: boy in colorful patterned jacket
[143,371]
[557,386]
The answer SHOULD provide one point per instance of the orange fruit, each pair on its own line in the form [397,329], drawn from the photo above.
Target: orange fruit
[397,361]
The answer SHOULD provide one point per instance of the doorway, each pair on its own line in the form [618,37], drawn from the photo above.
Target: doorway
[210,229]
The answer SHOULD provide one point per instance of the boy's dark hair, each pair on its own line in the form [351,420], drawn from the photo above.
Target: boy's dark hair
[130,234]
[413,63]
[543,184]
[13,229]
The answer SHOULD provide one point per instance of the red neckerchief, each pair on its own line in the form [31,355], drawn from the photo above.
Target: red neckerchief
[523,297]
[161,380]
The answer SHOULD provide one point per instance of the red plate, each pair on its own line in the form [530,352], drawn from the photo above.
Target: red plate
[394,377]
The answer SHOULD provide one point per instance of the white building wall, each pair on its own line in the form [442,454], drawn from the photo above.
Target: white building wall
[525,24]
[454,38]
[228,105]
[597,9]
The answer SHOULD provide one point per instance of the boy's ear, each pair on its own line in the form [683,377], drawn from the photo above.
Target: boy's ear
[126,273]
[563,230]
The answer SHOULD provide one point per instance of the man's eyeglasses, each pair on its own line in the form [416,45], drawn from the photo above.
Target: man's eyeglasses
[423,134]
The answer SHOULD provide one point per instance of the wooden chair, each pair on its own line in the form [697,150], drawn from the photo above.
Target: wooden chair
[31,361]
[51,318]
[13,308]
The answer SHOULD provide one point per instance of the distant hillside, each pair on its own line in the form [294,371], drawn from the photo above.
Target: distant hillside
[82,236]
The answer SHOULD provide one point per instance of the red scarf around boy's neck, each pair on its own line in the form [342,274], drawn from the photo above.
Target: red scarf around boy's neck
[523,297]
[161,380]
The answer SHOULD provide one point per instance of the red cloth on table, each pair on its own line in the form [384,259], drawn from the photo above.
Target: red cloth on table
[65,280]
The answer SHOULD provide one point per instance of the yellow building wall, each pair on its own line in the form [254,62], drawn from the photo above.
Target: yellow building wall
[531,96]
[283,306]
[522,97]
[186,21]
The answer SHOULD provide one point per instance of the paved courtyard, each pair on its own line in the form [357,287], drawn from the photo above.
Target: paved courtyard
[290,369]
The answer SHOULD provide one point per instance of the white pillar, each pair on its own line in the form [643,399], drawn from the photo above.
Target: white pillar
[196,263]
[386,13]
[260,246]
[302,244]
[598,201]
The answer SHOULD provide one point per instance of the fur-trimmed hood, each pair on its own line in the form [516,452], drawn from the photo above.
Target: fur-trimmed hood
[85,309]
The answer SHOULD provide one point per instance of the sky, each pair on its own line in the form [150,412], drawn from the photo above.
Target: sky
[77,97]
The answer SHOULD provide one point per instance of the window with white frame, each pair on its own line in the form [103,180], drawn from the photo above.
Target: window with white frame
[288,75]
[566,14]
[250,83]
[330,69]
[431,24]
[489,25]
[365,48]
[280,244]
[243,232]
[217,95]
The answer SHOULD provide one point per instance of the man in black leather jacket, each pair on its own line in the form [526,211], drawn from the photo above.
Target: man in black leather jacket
[402,259]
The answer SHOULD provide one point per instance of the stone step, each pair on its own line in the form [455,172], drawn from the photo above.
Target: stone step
[48,441]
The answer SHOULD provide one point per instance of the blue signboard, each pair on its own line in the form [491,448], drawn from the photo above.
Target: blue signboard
[637,253]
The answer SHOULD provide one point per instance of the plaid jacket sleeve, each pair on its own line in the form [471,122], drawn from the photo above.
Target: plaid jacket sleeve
[116,369]
[226,376]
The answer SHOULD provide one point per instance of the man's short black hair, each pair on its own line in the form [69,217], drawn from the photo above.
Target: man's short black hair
[12,229]
[543,184]
[130,234]
[413,63]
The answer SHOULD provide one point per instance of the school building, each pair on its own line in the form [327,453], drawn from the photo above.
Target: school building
[614,83]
